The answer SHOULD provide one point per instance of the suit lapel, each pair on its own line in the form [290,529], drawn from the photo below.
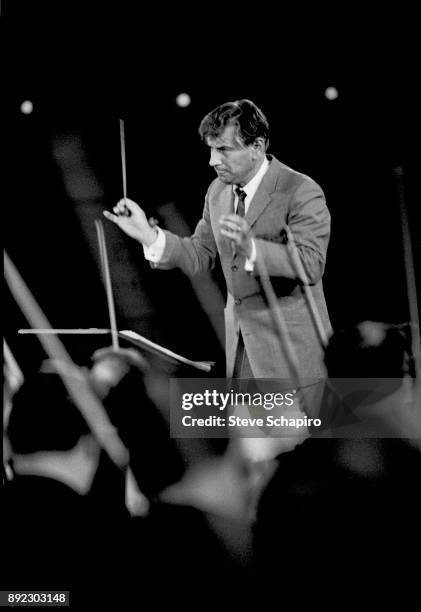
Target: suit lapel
[257,205]
[262,196]
[225,202]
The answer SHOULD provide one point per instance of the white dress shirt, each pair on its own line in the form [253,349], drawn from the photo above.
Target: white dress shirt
[250,190]
[155,251]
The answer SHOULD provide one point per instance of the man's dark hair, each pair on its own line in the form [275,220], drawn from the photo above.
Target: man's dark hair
[43,417]
[244,115]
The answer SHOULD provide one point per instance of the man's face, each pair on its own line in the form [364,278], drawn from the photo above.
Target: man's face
[234,163]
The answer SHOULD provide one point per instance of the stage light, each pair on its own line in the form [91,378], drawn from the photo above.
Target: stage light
[183,100]
[27,107]
[331,93]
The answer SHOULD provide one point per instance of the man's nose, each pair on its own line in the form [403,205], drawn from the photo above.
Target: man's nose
[215,158]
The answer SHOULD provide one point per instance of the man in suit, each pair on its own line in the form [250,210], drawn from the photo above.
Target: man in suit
[246,209]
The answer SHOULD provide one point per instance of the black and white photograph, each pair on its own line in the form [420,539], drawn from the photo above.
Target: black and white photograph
[211,347]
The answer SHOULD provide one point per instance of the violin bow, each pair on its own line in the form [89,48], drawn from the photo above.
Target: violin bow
[281,328]
[297,264]
[105,269]
[72,376]
[411,286]
[14,374]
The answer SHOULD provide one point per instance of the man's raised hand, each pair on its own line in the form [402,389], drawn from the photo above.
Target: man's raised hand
[130,217]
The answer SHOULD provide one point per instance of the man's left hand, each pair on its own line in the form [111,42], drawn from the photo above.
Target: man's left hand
[238,231]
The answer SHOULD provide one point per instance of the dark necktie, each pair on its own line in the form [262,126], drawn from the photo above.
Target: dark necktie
[241,207]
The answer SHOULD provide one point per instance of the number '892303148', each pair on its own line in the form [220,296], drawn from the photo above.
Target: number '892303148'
[38,597]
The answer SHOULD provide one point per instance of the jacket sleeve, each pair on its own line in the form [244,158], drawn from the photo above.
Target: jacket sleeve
[192,255]
[309,221]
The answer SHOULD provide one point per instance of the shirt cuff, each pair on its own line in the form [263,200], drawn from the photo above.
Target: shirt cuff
[250,261]
[155,251]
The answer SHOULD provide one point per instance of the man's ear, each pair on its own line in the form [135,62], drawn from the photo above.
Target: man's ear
[259,144]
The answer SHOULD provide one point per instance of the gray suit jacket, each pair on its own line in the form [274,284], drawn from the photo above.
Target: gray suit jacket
[283,197]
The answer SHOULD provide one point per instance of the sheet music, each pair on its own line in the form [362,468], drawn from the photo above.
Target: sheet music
[132,337]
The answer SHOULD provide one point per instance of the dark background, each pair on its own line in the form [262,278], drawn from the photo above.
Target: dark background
[84,67]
